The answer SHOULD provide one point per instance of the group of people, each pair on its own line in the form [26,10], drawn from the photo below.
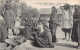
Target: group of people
[70,23]
[41,34]
[10,25]
[9,16]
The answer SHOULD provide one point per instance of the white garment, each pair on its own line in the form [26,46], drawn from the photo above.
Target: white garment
[66,20]
[41,27]
[10,32]
[17,27]
[11,36]
[17,23]
[66,15]
[72,16]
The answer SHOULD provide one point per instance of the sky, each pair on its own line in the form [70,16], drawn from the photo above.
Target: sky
[49,3]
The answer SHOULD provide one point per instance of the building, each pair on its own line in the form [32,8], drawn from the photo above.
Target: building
[45,13]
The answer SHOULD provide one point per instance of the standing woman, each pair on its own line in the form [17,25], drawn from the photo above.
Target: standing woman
[9,16]
[53,22]
[27,29]
[76,26]
[66,23]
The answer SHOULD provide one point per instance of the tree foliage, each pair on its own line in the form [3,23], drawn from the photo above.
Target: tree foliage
[26,11]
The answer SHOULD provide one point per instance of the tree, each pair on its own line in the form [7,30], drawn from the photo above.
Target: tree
[2,6]
[34,12]
[28,11]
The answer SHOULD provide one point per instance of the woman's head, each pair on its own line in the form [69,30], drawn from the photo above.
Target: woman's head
[76,8]
[54,9]
[66,6]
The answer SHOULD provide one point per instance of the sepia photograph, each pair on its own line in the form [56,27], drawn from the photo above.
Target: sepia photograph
[39,24]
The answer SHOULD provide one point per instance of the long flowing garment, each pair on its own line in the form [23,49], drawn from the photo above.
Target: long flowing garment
[9,15]
[27,30]
[76,27]
[44,39]
[3,31]
[67,20]
[53,22]
[9,18]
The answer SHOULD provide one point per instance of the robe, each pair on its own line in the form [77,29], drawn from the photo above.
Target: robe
[3,31]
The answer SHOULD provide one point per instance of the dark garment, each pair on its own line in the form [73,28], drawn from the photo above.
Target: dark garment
[44,39]
[54,18]
[76,28]
[53,22]
[53,28]
[35,30]
[3,31]
[66,30]
[74,35]
[27,32]
[79,33]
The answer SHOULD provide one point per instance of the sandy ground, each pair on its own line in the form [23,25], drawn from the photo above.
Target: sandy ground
[60,45]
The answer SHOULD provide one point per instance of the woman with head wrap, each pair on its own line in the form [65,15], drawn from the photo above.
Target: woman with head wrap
[76,26]
[53,22]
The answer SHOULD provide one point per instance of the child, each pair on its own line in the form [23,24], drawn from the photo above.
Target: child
[17,26]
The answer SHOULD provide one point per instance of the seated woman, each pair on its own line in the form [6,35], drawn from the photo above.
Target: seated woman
[44,39]
[26,31]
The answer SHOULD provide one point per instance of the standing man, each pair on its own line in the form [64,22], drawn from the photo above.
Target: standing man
[53,22]
[67,21]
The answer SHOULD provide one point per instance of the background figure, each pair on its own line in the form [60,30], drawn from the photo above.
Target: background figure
[17,26]
[76,26]
[53,22]
[27,32]
[3,31]
[9,16]
[66,21]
